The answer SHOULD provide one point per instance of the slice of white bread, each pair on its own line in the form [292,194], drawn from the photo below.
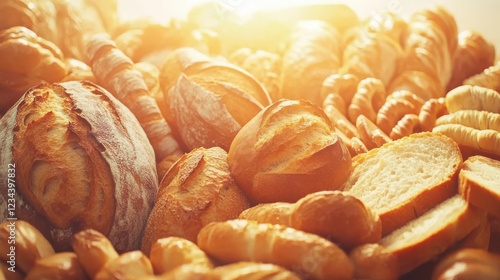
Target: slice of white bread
[432,233]
[403,179]
[479,183]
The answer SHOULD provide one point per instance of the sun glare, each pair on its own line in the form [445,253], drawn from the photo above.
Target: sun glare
[162,11]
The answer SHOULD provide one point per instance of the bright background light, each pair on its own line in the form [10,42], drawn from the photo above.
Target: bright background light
[481,15]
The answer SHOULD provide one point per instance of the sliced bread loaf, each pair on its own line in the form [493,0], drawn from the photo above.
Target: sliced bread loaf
[403,179]
[479,183]
[432,233]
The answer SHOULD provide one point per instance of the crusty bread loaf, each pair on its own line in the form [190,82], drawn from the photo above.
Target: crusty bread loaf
[334,215]
[306,254]
[252,270]
[30,245]
[171,252]
[402,179]
[81,161]
[93,249]
[58,266]
[479,183]
[197,190]
[286,151]
[432,233]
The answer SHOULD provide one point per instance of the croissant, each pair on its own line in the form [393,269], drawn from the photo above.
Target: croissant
[115,72]
[473,98]
[430,111]
[368,99]
[489,78]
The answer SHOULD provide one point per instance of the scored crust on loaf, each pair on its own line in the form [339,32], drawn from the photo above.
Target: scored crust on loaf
[404,178]
[432,233]
[479,183]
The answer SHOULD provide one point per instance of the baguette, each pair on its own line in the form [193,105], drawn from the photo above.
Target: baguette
[432,233]
[479,183]
[242,240]
[404,178]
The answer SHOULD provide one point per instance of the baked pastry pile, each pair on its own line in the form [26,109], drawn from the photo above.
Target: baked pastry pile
[301,143]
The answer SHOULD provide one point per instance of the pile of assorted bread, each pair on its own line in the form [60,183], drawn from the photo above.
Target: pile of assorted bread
[302,143]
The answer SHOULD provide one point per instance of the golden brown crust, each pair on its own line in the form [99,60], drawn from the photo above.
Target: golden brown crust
[288,150]
[93,249]
[372,261]
[115,72]
[170,253]
[340,121]
[78,71]
[335,100]
[343,85]
[27,60]
[29,244]
[337,216]
[130,265]
[480,141]
[295,250]
[93,138]
[371,135]
[197,190]
[392,111]
[430,112]
[58,266]
[368,99]
[489,78]
[164,165]
[409,124]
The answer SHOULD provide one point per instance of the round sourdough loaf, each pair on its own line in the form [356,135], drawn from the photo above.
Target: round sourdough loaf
[287,151]
[81,160]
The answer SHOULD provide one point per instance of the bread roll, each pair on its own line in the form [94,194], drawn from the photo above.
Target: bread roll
[372,261]
[430,112]
[343,85]
[242,240]
[128,266]
[197,190]
[489,78]
[286,151]
[29,244]
[27,60]
[170,253]
[59,266]
[93,249]
[403,179]
[81,161]
[336,216]
[368,99]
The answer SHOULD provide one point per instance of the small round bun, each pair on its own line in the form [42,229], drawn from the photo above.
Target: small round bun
[287,151]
